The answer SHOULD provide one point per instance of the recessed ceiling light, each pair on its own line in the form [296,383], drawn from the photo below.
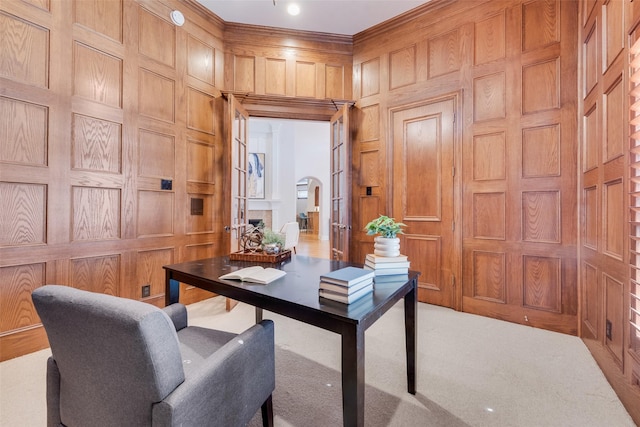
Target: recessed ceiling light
[293,9]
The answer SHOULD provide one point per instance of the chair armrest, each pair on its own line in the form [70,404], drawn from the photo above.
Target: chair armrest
[178,314]
[230,386]
[53,393]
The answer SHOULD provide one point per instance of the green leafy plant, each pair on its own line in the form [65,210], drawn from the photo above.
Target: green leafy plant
[270,237]
[385,227]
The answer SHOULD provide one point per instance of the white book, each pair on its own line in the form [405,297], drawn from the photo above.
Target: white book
[347,299]
[345,290]
[377,258]
[387,271]
[255,274]
[383,265]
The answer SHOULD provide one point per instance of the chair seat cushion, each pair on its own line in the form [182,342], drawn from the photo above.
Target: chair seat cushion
[196,344]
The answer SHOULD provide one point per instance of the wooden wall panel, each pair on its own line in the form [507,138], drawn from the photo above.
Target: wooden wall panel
[25,47]
[156,154]
[370,77]
[615,31]
[402,67]
[444,54]
[19,281]
[96,274]
[591,304]
[305,79]
[200,60]
[200,159]
[590,52]
[489,157]
[96,213]
[244,74]
[489,276]
[427,248]
[541,86]
[423,156]
[96,144]
[25,135]
[614,301]
[613,220]
[156,38]
[591,149]
[23,214]
[150,269]
[541,151]
[369,175]
[97,75]
[159,206]
[104,17]
[200,111]
[335,82]
[489,216]
[489,97]
[542,283]
[541,221]
[276,76]
[156,96]
[615,104]
[489,39]
[590,218]
[541,24]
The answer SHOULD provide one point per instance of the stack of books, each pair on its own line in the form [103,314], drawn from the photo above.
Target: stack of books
[346,285]
[392,268]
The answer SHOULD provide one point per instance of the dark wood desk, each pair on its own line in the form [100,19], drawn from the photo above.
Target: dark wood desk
[296,296]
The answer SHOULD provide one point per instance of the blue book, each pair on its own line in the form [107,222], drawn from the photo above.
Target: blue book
[347,276]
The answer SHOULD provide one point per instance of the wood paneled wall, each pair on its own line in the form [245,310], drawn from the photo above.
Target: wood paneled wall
[607,28]
[100,102]
[510,68]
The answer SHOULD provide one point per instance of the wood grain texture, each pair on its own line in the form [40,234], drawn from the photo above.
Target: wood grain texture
[22,214]
[25,50]
[24,132]
[104,17]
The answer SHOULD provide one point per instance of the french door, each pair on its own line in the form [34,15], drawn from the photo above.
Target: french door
[340,184]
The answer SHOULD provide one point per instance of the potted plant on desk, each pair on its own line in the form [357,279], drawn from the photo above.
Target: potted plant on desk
[387,243]
[272,242]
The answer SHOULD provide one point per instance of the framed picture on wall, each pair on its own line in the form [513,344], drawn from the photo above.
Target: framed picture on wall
[255,176]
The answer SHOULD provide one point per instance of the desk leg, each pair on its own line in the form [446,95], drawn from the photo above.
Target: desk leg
[258,315]
[172,290]
[410,308]
[353,377]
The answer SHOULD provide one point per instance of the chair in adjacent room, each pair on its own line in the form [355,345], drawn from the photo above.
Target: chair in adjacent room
[291,231]
[303,220]
[117,362]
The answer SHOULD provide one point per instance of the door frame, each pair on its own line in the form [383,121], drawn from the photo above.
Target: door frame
[457,98]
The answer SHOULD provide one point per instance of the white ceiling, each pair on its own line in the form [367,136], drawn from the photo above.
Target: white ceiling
[346,17]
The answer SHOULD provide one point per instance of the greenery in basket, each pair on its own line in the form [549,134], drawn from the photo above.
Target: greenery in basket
[385,227]
[270,237]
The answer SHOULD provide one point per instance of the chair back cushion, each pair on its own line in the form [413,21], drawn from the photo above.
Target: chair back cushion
[291,232]
[116,356]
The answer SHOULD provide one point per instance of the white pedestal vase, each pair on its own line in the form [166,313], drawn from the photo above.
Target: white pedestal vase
[386,246]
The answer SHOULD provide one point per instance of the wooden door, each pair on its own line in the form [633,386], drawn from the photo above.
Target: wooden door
[423,139]
[340,184]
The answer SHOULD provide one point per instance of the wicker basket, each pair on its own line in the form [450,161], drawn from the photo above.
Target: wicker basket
[259,256]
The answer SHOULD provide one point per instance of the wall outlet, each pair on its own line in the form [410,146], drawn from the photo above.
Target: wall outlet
[146,291]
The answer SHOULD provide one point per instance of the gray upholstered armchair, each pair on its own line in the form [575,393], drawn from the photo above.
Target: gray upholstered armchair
[118,362]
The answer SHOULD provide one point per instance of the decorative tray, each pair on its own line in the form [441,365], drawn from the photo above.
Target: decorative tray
[259,256]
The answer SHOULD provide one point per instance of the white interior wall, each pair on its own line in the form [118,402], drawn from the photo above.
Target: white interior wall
[294,149]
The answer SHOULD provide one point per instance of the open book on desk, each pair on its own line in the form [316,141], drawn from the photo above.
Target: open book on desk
[255,274]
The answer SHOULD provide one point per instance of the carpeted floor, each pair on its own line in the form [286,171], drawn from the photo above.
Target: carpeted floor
[472,371]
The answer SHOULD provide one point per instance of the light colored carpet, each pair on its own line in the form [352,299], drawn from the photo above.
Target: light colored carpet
[472,371]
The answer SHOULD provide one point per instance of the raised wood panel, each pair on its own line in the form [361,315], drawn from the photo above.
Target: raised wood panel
[542,283]
[613,220]
[25,51]
[489,276]
[590,67]
[96,274]
[23,132]
[541,86]
[96,213]
[156,96]
[198,251]
[591,300]
[402,67]
[444,54]
[588,8]
[104,17]
[200,162]
[156,154]
[200,60]
[158,205]
[18,282]
[489,216]
[156,38]
[245,74]
[201,223]
[490,39]
[96,145]
[369,168]
[149,270]
[423,163]
[541,216]
[489,97]
[614,303]
[41,4]
[22,214]
[489,157]
[541,151]
[614,103]
[540,24]
[369,207]
[97,75]
[591,145]
[305,79]
[426,254]
[335,82]
[200,111]
[276,76]
[370,119]
[370,72]
[613,30]
[590,218]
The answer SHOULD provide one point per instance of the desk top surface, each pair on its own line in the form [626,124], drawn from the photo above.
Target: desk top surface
[294,295]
